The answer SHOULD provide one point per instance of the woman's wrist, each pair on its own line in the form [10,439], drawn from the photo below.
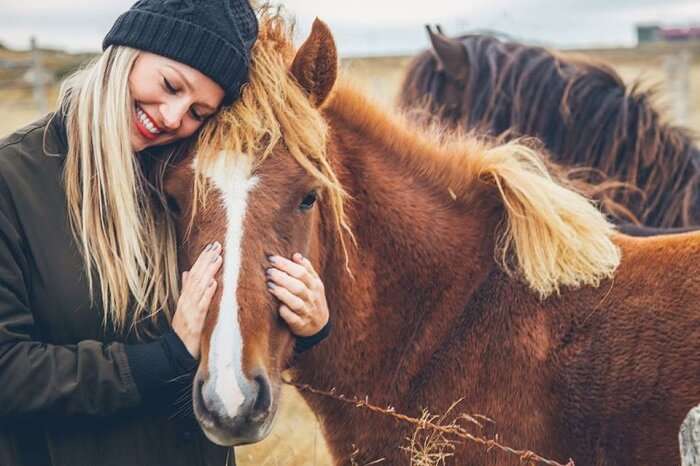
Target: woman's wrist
[188,340]
[180,356]
[306,343]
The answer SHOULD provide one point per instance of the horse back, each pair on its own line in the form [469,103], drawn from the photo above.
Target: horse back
[628,360]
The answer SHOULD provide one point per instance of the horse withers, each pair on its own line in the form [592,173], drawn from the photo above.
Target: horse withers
[454,269]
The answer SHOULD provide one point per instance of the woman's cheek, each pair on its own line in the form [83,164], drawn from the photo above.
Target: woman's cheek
[190,128]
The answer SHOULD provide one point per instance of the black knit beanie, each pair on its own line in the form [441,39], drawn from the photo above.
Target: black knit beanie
[212,36]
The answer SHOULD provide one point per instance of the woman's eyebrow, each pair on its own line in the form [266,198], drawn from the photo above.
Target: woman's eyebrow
[190,88]
[188,84]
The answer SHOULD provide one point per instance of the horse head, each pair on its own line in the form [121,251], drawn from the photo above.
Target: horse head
[493,85]
[257,194]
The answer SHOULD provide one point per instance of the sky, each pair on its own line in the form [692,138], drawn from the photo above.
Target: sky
[378,27]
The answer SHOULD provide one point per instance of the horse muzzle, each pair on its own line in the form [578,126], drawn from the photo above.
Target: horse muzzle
[234,412]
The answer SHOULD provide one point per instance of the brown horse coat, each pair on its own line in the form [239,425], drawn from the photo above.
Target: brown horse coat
[604,376]
[568,363]
[601,375]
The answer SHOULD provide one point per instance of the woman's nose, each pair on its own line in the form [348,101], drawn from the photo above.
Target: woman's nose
[173,113]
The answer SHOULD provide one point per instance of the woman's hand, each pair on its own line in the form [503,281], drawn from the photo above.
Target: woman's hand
[297,285]
[198,287]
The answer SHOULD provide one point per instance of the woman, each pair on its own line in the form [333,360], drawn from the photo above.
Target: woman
[98,340]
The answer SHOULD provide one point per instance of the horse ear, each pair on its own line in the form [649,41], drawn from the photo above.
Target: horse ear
[315,65]
[450,54]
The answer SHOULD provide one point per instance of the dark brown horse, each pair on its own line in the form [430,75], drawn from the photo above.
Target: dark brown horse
[582,111]
[453,270]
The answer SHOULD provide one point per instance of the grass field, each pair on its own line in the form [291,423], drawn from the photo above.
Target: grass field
[297,439]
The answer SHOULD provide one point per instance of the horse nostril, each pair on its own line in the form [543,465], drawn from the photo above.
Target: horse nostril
[263,401]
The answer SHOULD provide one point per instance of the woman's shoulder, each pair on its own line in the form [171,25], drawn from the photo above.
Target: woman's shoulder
[19,137]
[28,164]
[27,151]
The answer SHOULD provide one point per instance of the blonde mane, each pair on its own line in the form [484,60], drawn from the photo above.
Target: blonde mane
[551,236]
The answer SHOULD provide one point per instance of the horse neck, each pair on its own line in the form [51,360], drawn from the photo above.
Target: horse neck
[556,100]
[419,257]
[635,146]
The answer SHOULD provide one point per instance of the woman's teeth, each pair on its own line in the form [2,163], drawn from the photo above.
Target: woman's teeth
[146,122]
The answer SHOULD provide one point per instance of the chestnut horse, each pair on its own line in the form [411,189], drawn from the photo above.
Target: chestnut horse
[453,270]
[581,110]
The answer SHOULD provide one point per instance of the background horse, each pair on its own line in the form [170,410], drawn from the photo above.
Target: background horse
[475,275]
[580,109]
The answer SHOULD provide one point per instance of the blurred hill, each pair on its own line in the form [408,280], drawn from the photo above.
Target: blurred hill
[59,63]
[378,76]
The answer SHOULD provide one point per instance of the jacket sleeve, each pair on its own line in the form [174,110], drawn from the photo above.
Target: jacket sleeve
[89,378]
[303,344]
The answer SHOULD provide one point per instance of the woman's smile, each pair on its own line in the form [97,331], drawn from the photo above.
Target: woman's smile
[145,124]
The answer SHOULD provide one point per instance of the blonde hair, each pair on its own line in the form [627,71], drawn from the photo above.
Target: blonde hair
[124,235]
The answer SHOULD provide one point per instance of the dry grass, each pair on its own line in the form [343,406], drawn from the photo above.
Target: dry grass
[17,108]
[434,448]
[430,447]
[296,439]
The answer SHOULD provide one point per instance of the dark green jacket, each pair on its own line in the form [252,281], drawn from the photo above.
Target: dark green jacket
[69,390]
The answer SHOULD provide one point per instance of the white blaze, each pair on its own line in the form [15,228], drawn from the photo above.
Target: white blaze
[231,175]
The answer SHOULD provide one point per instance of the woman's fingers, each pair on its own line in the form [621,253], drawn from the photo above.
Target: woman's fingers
[213,267]
[208,294]
[293,269]
[292,284]
[295,322]
[198,288]
[204,259]
[292,301]
[306,263]
[300,291]
[204,269]
[316,284]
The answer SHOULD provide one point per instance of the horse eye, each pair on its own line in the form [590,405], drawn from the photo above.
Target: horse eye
[308,201]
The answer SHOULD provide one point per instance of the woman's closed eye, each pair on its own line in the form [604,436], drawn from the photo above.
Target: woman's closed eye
[173,90]
[196,115]
[169,87]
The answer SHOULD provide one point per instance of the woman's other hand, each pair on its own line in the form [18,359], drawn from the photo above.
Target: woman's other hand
[297,285]
[198,287]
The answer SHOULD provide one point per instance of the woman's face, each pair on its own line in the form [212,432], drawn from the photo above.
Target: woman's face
[171,100]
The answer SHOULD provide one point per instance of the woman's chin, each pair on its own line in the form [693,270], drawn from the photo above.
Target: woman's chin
[137,146]
[139,143]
